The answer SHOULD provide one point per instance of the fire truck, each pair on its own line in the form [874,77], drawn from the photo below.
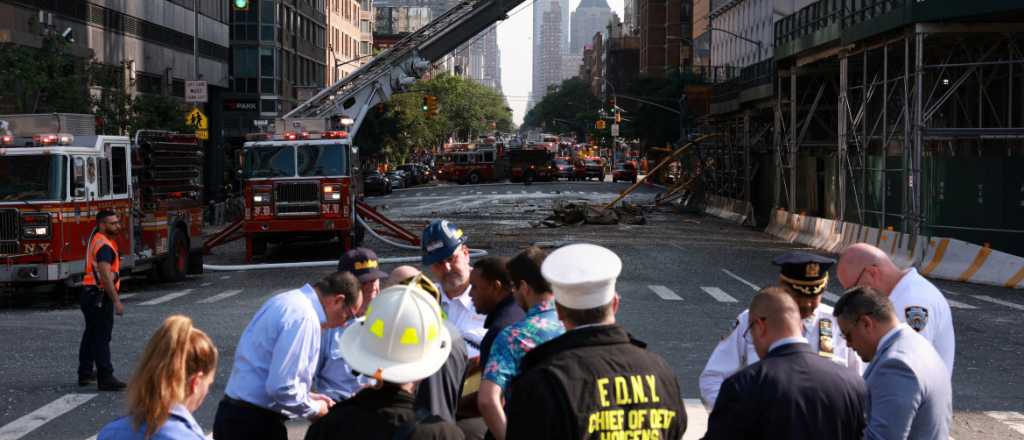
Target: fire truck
[468,165]
[56,174]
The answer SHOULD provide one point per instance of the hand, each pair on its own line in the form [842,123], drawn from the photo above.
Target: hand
[119,308]
[322,398]
[321,410]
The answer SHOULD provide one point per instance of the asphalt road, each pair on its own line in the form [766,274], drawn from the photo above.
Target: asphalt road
[684,280]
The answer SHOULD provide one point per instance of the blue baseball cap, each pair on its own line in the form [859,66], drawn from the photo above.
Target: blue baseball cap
[440,240]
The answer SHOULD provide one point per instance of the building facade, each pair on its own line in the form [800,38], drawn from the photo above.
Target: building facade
[349,37]
[548,47]
[590,17]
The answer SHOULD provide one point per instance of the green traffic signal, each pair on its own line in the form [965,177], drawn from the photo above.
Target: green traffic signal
[241,5]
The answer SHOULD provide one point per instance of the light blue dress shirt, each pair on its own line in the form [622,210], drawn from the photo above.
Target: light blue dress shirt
[335,378]
[277,354]
[180,425]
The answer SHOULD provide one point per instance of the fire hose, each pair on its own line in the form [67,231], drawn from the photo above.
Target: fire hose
[473,253]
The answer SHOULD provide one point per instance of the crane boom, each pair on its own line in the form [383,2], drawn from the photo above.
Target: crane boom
[402,64]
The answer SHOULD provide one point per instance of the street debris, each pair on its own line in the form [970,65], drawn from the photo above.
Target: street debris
[575,213]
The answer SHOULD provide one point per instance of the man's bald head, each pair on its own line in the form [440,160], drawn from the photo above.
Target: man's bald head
[864,264]
[773,315]
[399,274]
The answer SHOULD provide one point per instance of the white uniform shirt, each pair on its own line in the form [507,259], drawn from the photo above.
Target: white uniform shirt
[276,356]
[919,303]
[462,314]
[736,352]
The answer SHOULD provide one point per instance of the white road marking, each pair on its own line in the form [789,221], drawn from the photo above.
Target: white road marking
[1012,419]
[127,295]
[206,285]
[166,297]
[665,293]
[999,301]
[831,296]
[718,294]
[523,191]
[478,192]
[696,419]
[417,194]
[952,292]
[219,296]
[738,278]
[959,305]
[226,277]
[494,192]
[29,422]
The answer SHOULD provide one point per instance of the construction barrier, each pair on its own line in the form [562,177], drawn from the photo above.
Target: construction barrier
[726,208]
[938,257]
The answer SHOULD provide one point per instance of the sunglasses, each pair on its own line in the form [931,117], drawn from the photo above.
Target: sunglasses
[746,333]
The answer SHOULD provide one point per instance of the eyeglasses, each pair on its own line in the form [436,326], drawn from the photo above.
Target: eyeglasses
[859,276]
[751,325]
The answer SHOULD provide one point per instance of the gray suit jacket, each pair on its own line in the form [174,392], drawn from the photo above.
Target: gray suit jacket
[909,390]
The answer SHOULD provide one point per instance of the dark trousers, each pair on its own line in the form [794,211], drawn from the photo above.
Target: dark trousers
[99,324]
[245,422]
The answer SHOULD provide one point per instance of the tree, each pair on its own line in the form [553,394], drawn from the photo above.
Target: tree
[44,79]
[121,113]
[569,104]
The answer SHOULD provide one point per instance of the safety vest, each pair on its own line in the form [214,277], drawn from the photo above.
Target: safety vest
[91,276]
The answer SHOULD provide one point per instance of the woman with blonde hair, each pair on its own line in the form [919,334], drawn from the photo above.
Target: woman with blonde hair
[171,381]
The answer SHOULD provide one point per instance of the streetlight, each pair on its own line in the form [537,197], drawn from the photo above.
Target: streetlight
[338,63]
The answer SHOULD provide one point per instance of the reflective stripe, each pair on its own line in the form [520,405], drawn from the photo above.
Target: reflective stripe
[98,241]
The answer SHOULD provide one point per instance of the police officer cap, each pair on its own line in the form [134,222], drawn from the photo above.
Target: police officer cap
[440,240]
[362,263]
[582,276]
[804,272]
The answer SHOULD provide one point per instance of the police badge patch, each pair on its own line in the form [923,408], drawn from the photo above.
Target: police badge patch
[917,317]
[825,344]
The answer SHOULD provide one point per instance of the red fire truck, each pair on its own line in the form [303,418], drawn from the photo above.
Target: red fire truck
[56,174]
[469,165]
[300,186]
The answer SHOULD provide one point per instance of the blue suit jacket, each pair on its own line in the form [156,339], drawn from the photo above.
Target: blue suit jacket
[909,390]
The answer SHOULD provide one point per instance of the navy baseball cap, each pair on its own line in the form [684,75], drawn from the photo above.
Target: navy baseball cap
[805,272]
[440,240]
[362,263]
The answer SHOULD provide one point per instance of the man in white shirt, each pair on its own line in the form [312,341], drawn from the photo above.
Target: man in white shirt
[917,302]
[277,358]
[447,256]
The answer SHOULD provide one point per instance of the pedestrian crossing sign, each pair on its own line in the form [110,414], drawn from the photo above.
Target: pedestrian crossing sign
[199,122]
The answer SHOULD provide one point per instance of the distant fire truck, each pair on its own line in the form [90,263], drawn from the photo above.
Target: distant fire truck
[468,164]
[56,174]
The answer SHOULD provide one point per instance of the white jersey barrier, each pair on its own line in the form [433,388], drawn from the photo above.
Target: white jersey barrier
[729,209]
[937,257]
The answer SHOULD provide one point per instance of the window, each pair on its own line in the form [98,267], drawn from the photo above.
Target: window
[244,61]
[119,169]
[267,12]
[103,183]
[78,176]
[266,62]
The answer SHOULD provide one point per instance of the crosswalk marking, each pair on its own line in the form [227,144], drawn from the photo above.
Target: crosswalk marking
[959,305]
[1012,419]
[831,296]
[220,296]
[166,297]
[718,294]
[206,285]
[999,301]
[226,277]
[696,419]
[665,293]
[740,279]
[127,295]
[29,422]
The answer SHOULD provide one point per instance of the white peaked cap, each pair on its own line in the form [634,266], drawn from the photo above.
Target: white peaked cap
[582,276]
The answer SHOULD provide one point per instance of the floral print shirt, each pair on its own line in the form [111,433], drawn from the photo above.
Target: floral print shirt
[540,325]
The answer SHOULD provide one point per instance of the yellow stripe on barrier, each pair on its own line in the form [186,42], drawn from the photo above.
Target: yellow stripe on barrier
[1015,279]
[979,260]
[937,259]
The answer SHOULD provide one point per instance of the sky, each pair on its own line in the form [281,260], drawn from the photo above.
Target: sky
[515,41]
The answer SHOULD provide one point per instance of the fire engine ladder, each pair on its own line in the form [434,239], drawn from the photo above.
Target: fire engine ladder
[400,66]
[391,228]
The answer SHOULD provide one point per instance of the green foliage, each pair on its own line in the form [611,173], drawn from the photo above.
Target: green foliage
[122,114]
[43,80]
[652,125]
[568,106]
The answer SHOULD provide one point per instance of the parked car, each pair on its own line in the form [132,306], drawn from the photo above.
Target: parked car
[587,168]
[427,172]
[376,183]
[414,172]
[563,168]
[398,179]
[624,171]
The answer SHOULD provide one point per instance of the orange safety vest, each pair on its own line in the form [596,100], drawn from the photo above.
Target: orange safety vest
[91,277]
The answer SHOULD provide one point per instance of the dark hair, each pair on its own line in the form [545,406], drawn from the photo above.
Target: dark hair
[586,316]
[103,214]
[493,269]
[863,301]
[340,283]
[526,267]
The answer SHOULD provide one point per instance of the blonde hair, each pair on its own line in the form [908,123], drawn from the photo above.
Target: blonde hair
[175,352]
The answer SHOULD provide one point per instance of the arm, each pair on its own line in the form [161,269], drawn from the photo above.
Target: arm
[489,404]
[729,418]
[290,373]
[724,361]
[895,396]
[104,260]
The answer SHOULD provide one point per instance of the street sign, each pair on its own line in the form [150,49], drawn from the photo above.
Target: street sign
[196,119]
[615,130]
[195,91]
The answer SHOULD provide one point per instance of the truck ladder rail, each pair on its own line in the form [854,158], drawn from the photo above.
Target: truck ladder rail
[393,229]
[226,235]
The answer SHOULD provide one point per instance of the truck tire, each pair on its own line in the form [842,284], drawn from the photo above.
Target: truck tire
[358,235]
[259,246]
[175,265]
[474,178]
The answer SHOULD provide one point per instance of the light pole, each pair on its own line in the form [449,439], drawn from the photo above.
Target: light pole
[338,63]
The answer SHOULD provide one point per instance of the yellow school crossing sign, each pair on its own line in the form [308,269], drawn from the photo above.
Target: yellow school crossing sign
[200,122]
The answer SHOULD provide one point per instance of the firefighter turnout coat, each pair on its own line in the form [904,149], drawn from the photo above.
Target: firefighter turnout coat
[595,383]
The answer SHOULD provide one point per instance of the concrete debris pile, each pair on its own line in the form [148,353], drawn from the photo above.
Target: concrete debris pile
[575,213]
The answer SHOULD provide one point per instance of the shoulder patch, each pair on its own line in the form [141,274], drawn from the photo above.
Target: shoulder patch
[917,317]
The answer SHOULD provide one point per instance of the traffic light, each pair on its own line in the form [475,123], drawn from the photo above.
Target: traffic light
[240,5]
[599,124]
[618,117]
[431,106]
[426,104]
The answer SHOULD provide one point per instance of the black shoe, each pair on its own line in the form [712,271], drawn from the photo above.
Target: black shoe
[86,379]
[110,384]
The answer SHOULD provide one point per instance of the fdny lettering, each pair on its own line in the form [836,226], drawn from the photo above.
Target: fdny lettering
[627,391]
[611,423]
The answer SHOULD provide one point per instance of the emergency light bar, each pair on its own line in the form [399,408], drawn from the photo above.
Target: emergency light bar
[53,139]
[6,139]
[297,136]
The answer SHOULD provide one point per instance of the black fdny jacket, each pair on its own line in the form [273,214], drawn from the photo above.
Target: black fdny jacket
[380,414]
[595,383]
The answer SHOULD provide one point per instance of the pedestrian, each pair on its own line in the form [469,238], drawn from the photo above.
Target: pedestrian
[791,392]
[492,296]
[804,276]
[100,300]
[401,341]
[400,275]
[447,256]
[917,301]
[277,356]
[909,390]
[170,383]
[594,381]
[334,378]
[539,325]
